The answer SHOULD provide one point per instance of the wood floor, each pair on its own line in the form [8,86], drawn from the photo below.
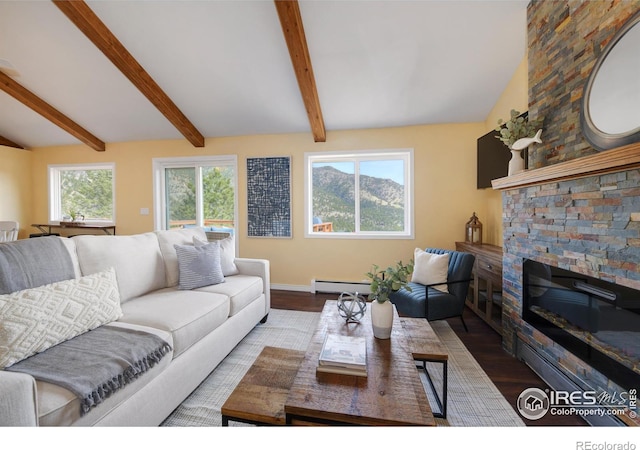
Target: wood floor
[510,375]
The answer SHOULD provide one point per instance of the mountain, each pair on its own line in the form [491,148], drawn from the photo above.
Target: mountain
[381,201]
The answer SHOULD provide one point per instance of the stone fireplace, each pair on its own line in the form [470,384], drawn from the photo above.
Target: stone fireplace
[575,209]
[582,216]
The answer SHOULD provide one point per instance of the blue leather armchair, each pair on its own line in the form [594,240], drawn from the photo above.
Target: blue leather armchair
[425,301]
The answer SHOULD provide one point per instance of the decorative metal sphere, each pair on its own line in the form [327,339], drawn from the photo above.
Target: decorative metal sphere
[351,307]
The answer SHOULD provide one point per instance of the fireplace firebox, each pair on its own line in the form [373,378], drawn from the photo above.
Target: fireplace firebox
[596,320]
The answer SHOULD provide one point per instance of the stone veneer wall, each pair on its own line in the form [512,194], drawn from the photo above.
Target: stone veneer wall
[565,40]
[588,225]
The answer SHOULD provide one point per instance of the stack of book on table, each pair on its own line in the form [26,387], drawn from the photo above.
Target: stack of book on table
[343,354]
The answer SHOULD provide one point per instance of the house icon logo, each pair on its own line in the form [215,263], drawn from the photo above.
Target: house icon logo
[533,403]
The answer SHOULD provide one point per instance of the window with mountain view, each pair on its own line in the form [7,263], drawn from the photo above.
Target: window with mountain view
[355,194]
[82,190]
[196,192]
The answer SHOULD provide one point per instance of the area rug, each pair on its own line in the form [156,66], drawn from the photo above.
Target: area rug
[474,401]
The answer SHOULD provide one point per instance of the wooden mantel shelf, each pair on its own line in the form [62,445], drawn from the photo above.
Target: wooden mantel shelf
[608,161]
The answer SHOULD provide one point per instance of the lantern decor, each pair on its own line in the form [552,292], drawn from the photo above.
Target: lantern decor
[473,230]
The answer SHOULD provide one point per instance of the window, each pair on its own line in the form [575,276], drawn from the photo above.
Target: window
[84,189]
[359,194]
[196,192]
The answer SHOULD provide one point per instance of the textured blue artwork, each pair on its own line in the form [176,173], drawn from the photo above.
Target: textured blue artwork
[269,197]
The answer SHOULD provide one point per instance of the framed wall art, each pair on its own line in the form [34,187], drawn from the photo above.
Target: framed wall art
[269,197]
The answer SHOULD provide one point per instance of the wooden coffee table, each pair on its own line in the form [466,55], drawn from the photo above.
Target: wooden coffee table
[259,397]
[391,394]
[426,347]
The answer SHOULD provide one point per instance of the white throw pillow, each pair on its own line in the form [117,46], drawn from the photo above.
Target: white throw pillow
[199,266]
[430,268]
[227,254]
[167,239]
[33,320]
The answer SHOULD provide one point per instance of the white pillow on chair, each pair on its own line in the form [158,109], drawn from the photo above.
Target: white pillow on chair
[430,268]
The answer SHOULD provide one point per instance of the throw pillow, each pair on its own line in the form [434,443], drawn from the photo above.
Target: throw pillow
[32,320]
[430,268]
[199,266]
[176,236]
[227,254]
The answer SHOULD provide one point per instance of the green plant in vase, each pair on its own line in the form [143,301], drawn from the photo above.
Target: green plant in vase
[517,127]
[393,278]
[517,134]
[75,216]
[383,283]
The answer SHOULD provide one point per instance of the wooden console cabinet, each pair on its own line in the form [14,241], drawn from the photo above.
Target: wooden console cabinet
[485,291]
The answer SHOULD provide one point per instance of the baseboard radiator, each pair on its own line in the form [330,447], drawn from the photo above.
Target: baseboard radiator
[328,286]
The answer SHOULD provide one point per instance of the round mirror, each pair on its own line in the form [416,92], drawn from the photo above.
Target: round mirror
[610,115]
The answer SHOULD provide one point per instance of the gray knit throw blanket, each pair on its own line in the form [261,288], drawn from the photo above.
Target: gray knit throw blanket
[97,363]
[30,263]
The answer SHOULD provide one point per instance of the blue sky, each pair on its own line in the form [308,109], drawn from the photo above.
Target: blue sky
[393,169]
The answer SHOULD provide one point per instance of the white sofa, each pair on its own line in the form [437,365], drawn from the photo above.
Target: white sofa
[201,325]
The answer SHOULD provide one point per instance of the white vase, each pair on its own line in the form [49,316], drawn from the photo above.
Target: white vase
[516,163]
[382,319]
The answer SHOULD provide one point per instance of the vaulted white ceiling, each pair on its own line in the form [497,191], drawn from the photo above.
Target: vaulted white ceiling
[226,66]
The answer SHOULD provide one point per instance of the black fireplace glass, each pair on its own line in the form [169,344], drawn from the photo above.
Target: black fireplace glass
[596,320]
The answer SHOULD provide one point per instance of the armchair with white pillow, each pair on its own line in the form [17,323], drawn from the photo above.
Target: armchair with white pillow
[439,285]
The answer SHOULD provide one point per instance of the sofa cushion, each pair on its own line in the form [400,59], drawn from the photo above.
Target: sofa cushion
[60,407]
[167,239]
[136,258]
[241,290]
[430,268]
[227,254]
[33,320]
[199,265]
[187,315]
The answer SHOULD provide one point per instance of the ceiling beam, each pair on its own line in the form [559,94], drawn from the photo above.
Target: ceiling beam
[291,21]
[34,102]
[9,143]
[88,22]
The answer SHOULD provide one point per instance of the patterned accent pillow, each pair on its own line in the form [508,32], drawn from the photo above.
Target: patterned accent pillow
[199,266]
[33,320]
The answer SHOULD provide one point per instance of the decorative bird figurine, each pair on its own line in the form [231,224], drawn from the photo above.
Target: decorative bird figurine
[525,142]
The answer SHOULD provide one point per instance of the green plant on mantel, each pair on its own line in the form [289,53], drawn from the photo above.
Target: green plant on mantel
[393,278]
[517,128]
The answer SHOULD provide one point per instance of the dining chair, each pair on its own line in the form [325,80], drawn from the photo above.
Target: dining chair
[9,231]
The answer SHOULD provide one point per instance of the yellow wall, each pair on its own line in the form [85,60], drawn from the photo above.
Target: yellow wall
[445,189]
[15,187]
[445,193]
[515,96]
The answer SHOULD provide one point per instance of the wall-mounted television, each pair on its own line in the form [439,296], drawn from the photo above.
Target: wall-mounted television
[493,158]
